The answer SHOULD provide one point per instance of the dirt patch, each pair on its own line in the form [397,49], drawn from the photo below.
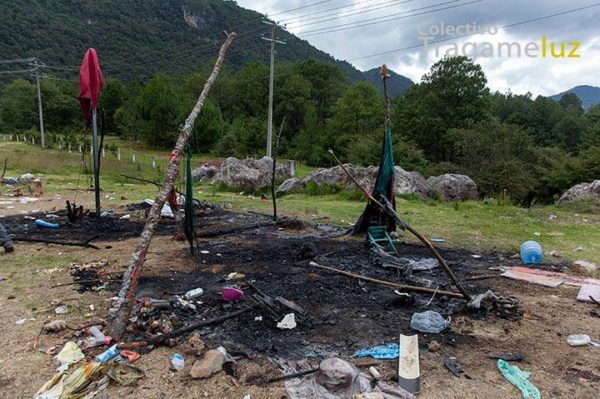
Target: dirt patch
[342,314]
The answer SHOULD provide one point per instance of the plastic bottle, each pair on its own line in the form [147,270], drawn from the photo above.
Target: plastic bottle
[47,225]
[178,362]
[108,354]
[193,294]
[97,338]
[531,252]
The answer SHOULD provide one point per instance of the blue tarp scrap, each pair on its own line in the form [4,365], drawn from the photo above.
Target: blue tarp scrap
[386,351]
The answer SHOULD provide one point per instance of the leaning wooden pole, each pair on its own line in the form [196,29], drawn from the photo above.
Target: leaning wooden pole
[120,310]
[387,208]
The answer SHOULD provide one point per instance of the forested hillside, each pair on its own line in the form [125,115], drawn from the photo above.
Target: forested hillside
[137,39]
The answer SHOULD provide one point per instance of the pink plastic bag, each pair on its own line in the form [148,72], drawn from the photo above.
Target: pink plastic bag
[232,294]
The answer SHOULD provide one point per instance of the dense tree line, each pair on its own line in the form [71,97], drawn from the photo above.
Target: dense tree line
[524,148]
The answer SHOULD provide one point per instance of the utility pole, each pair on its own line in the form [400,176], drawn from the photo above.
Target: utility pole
[273,40]
[34,62]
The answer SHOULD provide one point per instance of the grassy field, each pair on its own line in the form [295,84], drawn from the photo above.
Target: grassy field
[573,231]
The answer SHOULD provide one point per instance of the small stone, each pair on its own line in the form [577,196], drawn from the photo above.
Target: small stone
[434,346]
[210,364]
[584,267]
[196,342]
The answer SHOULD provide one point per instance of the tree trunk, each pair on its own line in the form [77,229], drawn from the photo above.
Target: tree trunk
[120,310]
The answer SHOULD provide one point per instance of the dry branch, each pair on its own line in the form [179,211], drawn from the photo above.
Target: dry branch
[402,287]
[85,244]
[119,312]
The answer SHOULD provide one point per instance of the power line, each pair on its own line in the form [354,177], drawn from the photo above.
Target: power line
[300,8]
[362,10]
[378,20]
[327,11]
[473,34]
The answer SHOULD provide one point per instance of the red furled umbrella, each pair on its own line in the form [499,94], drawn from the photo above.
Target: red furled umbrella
[90,82]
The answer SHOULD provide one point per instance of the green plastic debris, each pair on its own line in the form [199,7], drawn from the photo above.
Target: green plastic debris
[520,379]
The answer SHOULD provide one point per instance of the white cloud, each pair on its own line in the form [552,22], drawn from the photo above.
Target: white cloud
[519,74]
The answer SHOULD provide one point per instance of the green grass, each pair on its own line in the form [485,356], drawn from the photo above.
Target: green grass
[475,225]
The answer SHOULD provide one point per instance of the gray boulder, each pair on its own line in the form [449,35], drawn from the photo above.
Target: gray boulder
[454,187]
[333,176]
[290,186]
[204,173]
[248,174]
[581,191]
[410,183]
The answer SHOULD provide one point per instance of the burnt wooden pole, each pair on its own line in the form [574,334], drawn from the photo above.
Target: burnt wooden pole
[121,308]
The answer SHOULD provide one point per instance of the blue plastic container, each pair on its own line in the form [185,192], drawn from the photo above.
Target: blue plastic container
[46,225]
[531,252]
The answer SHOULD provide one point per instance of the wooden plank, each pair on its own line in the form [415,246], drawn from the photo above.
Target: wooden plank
[409,374]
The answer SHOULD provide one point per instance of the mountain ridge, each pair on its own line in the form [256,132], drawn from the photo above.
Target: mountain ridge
[136,40]
[589,95]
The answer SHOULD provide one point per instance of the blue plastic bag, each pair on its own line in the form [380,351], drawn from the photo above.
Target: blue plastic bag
[520,379]
[386,351]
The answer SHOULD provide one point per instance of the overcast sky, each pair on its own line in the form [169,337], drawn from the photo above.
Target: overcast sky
[519,74]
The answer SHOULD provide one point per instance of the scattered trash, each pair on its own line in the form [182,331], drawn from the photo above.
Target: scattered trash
[47,225]
[211,363]
[131,356]
[86,381]
[125,217]
[258,318]
[387,351]
[547,278]
[61,310]
[230,294]
[436,239]
[288,322]
[519,379]
[581,340]
[531,252]
[235,276]
[105,214]
[555,254]
[97,337]
[429,322]
[537,233]
[166,210]
[475,256]
[589,292]
[509,357]
[22,321]
[193,294]
[409,373]
[108,354]
[26,178]
[204,252]
[475,302]
[336,379]
[124,374]
[177,362]
[552,217]
[451,364]
[55,326]
[69,354]
[423,264]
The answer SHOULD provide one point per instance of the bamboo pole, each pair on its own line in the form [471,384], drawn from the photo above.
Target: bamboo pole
[121,308]
[403,287]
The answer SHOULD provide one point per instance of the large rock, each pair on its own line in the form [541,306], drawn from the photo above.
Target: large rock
[290,186]
[453,187]
[410,183]
[211,363]
[581,191]
[249,174]
[204,173]
[329,176]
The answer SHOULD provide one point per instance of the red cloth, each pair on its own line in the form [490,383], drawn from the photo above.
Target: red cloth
[90,82]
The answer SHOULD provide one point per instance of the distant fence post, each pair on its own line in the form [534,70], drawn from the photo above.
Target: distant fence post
[292,166]
[69,148]
[103,153]
[118,153]
[153,163]
[133,157]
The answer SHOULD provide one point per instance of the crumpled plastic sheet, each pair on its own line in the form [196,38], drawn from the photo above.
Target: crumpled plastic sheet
[336,379]
[70,353]
[519,379]
[429,322]
[88,381]
[386,351]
